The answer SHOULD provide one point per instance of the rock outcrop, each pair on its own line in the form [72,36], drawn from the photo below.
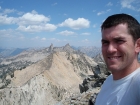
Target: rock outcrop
[89,88]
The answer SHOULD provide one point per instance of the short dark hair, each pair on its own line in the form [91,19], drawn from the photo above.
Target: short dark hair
[132,24]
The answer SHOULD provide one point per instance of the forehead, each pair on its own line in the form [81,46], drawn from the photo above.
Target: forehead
[116,32]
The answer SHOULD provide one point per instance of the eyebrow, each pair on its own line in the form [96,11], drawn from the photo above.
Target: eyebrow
[115,38]
[119,37]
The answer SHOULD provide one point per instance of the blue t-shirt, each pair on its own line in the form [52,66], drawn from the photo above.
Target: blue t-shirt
[125,91]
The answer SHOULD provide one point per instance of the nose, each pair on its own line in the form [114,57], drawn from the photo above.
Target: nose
[111,48]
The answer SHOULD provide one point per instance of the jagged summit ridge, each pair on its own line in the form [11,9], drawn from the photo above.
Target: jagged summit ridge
[66,48]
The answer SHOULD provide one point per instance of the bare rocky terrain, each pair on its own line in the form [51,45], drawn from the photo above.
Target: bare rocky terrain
[51,76]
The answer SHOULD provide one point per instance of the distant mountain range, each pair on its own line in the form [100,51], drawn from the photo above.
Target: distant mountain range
[5,52]
[91,51]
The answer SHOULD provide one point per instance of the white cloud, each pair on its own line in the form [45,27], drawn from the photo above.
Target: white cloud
[54,4]
[20,13]
[75,24]
[85,34]
[54,39]
[7,20]
[6,33]
[127,4]
[43,39]
[108,10]
[65,14]
[103,12]
[22,37]
[85,40]
[100,13]
[7,11]
[130,4]
[64,40]
[29,22]
[9,34]
[32,18]
[94,26]
[36,38]
[110,4]
[66,33]
[27,18]
[37,28]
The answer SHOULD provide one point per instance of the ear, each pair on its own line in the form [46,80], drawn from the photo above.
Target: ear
[137,46]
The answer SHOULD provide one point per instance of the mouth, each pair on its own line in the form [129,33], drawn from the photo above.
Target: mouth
[114,57]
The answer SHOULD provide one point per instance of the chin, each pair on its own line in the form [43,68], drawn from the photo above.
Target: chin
[113,68]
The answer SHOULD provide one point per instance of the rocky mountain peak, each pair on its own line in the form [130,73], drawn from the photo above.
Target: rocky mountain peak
[50,48]
[68,48]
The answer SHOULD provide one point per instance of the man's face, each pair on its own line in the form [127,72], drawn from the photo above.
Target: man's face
[118,48]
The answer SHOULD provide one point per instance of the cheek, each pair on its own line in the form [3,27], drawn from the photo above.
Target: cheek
[104,53]
[127,50]
[104,49]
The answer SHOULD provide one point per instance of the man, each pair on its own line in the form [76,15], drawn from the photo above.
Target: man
[120,49]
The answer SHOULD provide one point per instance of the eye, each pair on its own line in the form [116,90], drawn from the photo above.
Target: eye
[120,41]
[104,42]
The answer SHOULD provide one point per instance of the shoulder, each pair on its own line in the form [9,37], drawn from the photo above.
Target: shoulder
[136,79]
[108,81]
[137,75]
[109,78]
[135,83]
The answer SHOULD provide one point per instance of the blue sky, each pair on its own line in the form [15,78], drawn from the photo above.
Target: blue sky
[38,23]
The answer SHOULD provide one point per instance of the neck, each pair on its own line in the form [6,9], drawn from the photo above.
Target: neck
[123,73]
